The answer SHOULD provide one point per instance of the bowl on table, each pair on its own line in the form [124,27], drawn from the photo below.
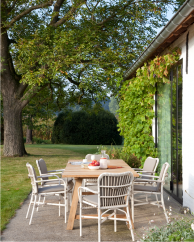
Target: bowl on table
[93,167]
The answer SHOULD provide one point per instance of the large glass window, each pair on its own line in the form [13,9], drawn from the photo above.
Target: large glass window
[164,127]
[169,116]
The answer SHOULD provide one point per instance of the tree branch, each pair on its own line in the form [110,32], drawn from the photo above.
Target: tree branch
[12,7]
[30,94]
[57,7]
[81,71]
[72,81]
[12,69]
[69,14]
[21,89]
[11,41]
[19,16]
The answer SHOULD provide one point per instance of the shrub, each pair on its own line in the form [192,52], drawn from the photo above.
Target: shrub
[90,128]
[175,231]
[117,153]
[40,141]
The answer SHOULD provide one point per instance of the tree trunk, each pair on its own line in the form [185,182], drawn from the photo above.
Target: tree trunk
[12,91]
[28,135]
[13,132]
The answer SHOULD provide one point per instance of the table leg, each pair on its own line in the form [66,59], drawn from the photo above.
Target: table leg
[70,223]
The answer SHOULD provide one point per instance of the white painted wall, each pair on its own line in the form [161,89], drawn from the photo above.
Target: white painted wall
[188,118]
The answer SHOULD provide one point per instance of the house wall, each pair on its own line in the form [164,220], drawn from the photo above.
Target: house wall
[187,117]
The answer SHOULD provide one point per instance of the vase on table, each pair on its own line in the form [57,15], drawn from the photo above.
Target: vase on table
[103,160]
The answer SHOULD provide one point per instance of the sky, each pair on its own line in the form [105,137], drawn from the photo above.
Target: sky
[169,16]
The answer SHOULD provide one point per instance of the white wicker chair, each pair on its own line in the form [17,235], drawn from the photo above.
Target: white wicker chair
[114,190]
[150,189]
[149,167]
[59,190]
[42,168]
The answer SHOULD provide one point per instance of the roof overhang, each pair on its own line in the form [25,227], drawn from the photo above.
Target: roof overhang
[178,24]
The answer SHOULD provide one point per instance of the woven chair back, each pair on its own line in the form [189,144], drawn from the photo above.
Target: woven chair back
[114,189]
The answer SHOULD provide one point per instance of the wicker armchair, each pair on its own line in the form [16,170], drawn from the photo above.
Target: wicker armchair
[114,190]
[150,189]
[37,191]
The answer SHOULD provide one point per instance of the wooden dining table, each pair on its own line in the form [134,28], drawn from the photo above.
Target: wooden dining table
[78,173]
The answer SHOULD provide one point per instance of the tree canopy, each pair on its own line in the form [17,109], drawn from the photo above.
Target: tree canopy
[80,47]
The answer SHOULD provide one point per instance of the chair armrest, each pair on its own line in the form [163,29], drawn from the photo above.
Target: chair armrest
[48,175]
[87,189]
[51,180]
[149,176]
[137,169]
[146,180]
[146,171]
[60,170]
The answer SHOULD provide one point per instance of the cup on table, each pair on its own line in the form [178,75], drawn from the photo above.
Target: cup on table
[85,161]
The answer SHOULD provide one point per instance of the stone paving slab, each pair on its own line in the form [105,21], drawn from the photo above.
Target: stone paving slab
[48,226]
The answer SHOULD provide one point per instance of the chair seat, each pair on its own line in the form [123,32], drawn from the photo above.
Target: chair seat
[57,188]
[70,183]
[93,187]
[145,188]
[91,199]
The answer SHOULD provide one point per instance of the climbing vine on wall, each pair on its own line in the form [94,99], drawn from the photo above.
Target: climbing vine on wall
[136,106]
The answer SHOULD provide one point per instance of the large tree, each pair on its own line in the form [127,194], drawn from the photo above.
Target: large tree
[83,45]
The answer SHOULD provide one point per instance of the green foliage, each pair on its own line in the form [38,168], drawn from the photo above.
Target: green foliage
[85,48]
[136,106]
[175,231]
[40,141]
[117,153]
[78,49]
[81,127]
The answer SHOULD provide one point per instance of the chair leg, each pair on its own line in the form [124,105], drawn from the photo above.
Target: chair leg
[38,202]
[132,206]
[29,205]
[99,225]
[35,196]
[59,205]
[67,199]
[65,207]
[162,201]
[43,201]
[130,224]
[115,221]
[80,216]
[157,200]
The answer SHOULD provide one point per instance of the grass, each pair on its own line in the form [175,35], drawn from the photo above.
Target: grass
[15,184]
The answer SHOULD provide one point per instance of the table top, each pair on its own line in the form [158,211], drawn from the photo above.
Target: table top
[77,172]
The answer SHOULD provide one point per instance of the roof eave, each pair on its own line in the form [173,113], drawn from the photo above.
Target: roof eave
[186,9]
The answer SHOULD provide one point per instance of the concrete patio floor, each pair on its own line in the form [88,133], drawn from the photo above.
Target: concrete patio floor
[48,226]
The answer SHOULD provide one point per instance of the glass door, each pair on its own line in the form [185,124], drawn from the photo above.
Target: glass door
[176,131]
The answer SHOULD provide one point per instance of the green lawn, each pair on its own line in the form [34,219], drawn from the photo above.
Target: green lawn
[15,184]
